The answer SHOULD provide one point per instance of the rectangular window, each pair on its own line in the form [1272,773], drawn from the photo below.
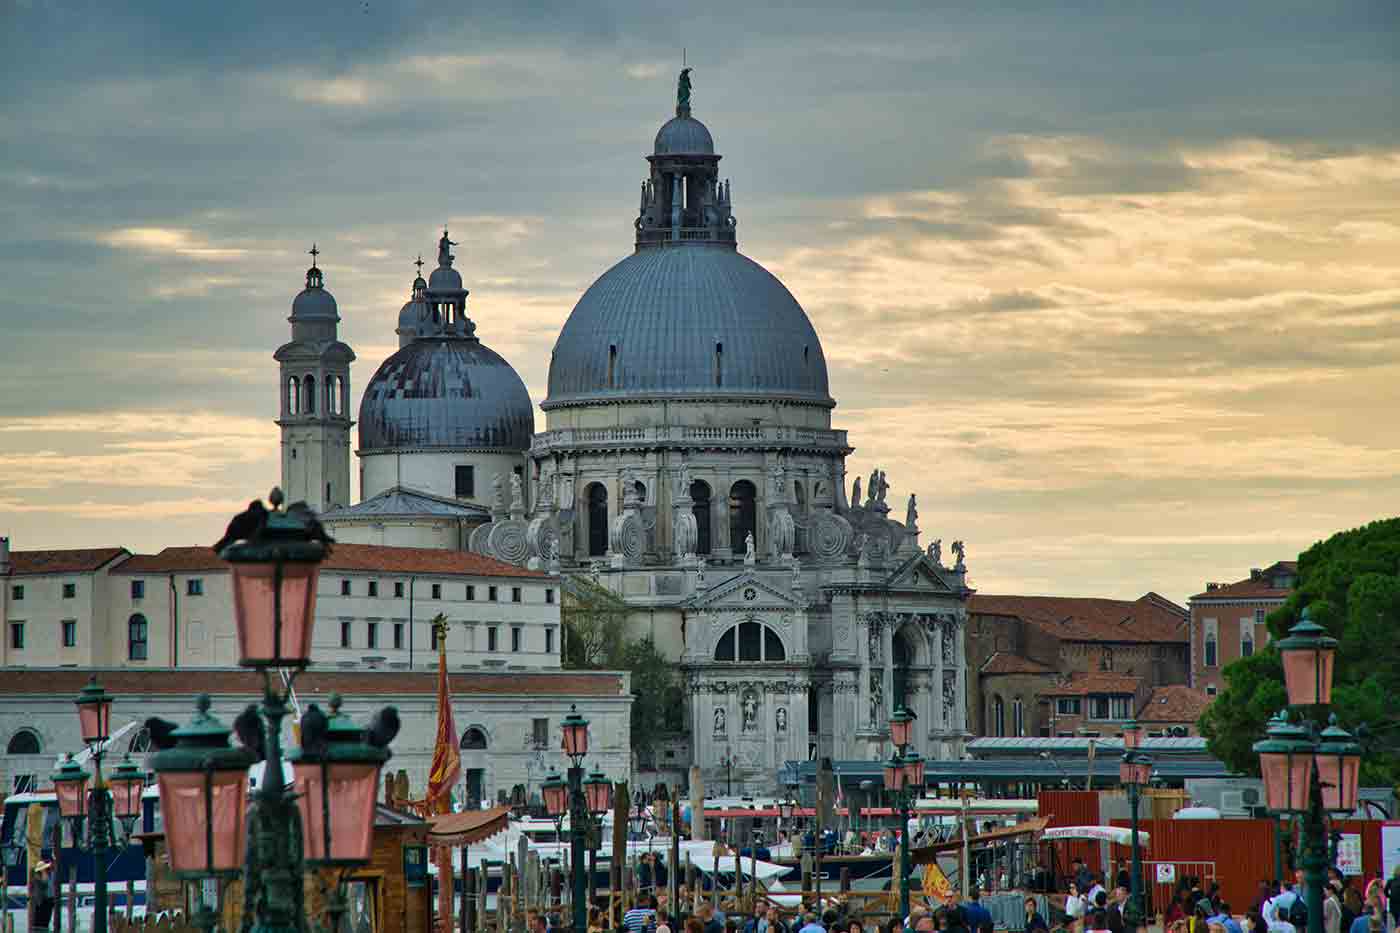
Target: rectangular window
[398,589]
[194,586]
[17,636]
[437,591]
[1246,638]
[1259,615]
[398,636]
[372,635]
[138,589]
[1121,708]
[70,633]
[491,638]
[1098,707]
[17,592]
[345,634]
[433,641]
[466,482]
[70,590]
[136,645]
[549,641]
[471,592]
[344,587]
[515,594]
[491,593]
[549,597]
[374,587]
[540,732]
[515,633]
[1067,706]
[1210,690]
[1211,632]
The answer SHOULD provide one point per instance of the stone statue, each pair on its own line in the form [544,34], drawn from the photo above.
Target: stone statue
[719,718]
[683,482]
[796,574]
[683,89]
[595,571]
[699,572]
[750,710]
[445,245]
[498,495]
[775,486]
[884,487]
[961,554]
[855,493]
[781,718]
[872,488]
[877,701]
[517,493]
[750,554]
[911,513]
[935,552]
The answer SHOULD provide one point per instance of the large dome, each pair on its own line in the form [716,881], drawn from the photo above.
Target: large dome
[447,393]
[695,320]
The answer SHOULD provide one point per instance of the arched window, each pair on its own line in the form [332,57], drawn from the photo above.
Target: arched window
[750,641]
[293,395]
[612,366]
[332,405]
[641,488]
[308,395]
[719,364]
[23,742]
[137,644]
[700,495]
[474,740]
[742,515]
[1018,718]
[800,495]
[998,717]
[901,658]
[597,520]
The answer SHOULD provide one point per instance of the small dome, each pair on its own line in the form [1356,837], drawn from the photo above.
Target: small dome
[314,303]
[445,279]
[684,135]
[453,393]
[411,315]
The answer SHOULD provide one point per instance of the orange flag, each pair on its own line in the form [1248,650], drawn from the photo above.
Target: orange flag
[447,760]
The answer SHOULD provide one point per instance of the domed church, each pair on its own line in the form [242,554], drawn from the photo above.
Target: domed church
[689,468]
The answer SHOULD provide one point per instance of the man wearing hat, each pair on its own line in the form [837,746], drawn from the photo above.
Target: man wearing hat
[41,901]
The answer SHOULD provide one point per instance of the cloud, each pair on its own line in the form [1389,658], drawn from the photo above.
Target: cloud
[168,241]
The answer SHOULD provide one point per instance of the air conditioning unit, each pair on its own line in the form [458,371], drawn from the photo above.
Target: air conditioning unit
[1232,802]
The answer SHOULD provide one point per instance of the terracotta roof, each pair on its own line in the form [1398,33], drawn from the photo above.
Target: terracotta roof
[1251,587]
[1150,618]
[1176,703]
[126,682]
[1084,683]
[1003,662]
[358,557]
[70,560]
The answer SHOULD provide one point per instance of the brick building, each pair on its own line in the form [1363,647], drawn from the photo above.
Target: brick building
[1227,620]
[1056,666]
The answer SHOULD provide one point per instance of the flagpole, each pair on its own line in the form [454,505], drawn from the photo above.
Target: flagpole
[442,776]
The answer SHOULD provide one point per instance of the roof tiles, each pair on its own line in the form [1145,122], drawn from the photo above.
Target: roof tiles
[1004,662]
[1175,703]
[1084,683]
[1150,618]
[370,558]
[69,560]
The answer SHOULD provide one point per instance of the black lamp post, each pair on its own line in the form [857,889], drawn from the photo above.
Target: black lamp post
[1309,770]
[118,796]
[328,819]
[904,776]
[575,729]
[1134,773]
[729,761]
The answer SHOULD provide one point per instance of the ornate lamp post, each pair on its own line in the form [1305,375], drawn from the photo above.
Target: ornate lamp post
[119,797]
[1134,772]
[1309,770]
[328,821]
[904,777]
[575,730]
[556,801]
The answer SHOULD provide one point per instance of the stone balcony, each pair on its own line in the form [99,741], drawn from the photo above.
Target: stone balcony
[688,436]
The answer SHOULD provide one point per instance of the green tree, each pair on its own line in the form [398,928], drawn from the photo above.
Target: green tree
[595,626]
[1351,586]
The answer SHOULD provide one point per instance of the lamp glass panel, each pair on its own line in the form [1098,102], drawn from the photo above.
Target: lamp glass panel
[126,797]
[576,740]
[72,797]
[556,799]
[894,777]
[1307,675]
[900,728]
[254,609]
[1338,775]
[95,720]
[1274,768]
[182,804]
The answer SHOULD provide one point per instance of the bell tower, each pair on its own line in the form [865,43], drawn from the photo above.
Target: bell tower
[314,400]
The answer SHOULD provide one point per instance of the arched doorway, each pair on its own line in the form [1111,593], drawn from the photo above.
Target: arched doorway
[24,742]
[473,764]
[597,520]
[700,495]
[742,515]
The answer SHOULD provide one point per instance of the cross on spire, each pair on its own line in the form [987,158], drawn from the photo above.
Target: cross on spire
[419,264]
[314,253]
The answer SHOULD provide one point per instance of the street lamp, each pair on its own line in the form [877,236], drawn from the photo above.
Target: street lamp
[729,761]
[1134,772]
[1309,770]
[904,777]
[76,802]
[575,736]
[556,801]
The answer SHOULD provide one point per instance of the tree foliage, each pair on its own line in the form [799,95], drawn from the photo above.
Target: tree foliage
[595,638]
[1351,586]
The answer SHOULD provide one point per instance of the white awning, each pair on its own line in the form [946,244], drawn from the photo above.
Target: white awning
[1119,834]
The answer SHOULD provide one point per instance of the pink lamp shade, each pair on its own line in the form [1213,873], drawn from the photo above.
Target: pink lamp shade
[556,795]
[70,785]
[95,716]
[345,790]
[894,774]
[1131,733]
[575,729]
[205,834]
[1308,675]
[914,770]
[901,727]
[255,587]
[1339,778]
[1127,772]
[1286,780]
[126,784]
[1144,772]
[599,793]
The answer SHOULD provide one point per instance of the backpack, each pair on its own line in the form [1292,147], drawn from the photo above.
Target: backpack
[1298,913]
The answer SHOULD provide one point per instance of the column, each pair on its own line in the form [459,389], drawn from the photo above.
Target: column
[887,652]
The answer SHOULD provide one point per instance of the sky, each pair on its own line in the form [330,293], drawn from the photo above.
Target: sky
[1113,287]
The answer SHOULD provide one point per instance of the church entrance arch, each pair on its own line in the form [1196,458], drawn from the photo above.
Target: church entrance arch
[742,515]
[700,496]
[597,519]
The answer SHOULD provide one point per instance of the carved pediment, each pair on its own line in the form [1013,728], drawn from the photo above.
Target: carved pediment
[920,573]
[744,592]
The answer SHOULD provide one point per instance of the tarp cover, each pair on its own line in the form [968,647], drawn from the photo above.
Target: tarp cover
[1118,834]
[461,829]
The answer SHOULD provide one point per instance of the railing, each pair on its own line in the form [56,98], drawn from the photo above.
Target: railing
[760,434]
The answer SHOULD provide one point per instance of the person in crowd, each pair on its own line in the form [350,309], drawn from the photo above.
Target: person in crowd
[595,920]
[1261,897]
[694,925]
[810,924]
[1392,897]
[1094,890]
[1200,916]
[41,898]
[853,926]
[1082,876]
[1226,918]
[1097,921]
[642,916]
[663,922]
[1352,907]
[1331,909]
[1035,923]
[973,911]
[712,924]
[1074,907]
[1116,903]
[1254,922]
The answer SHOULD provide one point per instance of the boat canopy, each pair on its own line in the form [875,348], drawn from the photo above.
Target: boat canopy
[1119,834]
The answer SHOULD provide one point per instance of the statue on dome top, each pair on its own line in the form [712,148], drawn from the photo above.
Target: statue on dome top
[683,89]
[445,245]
